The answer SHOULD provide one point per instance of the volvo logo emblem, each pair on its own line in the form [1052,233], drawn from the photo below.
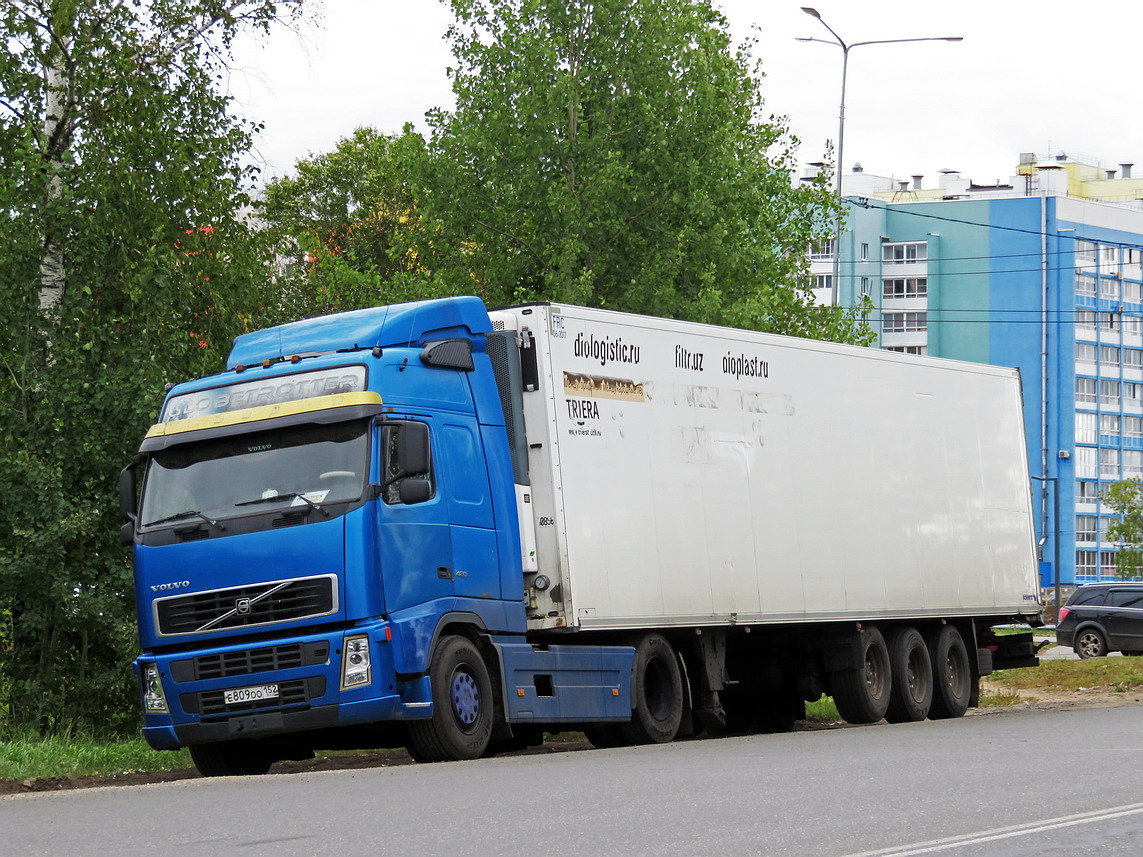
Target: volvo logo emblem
[242,605]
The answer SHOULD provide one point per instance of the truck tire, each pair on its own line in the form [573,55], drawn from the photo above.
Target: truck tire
[911,695]
[657,691]
[461,725]
[953,677]
[861,692]
[231,759]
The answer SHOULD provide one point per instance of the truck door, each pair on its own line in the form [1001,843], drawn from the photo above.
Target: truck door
[464,484]
[413,534]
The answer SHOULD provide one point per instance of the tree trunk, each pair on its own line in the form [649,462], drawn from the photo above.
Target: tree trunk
[57,139]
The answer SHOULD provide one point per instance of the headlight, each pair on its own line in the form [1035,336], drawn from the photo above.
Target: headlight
[154,702]
[355,662]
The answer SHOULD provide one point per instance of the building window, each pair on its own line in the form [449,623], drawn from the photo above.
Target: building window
[1109,463]
[909,349]
[1085,285]
[864,252]
[1132,393]
[1132,463]
[1132,324]
[1085,254]
[1085,353]
[1085,391]
[1109,355]
[900,253]
[1107,563]
[1109,259]
[1132,358]
[1109,424]
[1109,289]
[1131,291]
[1133,426]
[824,251]
[1109,393]
[1087,492]
[905,322]
[1108,320]
[1085,528]
[1085,563]
[866,289]
[823,281]
[1085,428]
[1086,461]
[1085,318]
[909,287]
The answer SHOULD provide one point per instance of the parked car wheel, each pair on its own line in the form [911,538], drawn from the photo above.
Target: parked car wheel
[1090,644]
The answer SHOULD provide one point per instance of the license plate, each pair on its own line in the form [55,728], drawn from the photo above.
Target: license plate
[250,694]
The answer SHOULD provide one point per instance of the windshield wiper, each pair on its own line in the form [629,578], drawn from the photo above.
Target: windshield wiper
[189,513]
[290,495]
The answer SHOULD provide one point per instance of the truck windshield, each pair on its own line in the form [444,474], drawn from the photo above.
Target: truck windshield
[306,466]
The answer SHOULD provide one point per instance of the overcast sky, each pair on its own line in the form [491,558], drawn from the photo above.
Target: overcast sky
[1026,78]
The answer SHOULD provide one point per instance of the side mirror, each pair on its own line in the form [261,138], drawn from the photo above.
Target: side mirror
[128,490]
[413,449]
[416,491]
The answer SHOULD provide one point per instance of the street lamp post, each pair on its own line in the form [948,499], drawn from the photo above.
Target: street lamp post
[845,49]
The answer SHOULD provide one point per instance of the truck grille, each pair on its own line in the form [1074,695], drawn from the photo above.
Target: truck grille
[248,661]
[294,692]
[247,606]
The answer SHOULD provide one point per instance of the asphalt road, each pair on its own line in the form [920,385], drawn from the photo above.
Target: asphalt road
[1007,783]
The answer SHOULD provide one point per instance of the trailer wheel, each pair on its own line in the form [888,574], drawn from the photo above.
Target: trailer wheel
[861,692]
[461,725]
[952,674]
[911,696]
[657,689]
[231,759]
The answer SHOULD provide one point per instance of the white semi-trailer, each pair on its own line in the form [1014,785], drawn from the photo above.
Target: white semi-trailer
[547,517]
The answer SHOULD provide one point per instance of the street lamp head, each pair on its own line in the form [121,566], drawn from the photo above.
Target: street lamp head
[809,10]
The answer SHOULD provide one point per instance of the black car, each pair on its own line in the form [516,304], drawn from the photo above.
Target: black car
[1101,618]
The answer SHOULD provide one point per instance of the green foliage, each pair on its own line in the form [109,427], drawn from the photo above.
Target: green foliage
[822,710]
[138,184]
[344,222]
[1126,500]
[617,153]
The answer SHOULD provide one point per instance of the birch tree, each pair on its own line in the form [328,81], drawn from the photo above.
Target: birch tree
[125,262]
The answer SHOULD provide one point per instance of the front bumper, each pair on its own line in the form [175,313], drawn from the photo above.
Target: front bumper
[307,670]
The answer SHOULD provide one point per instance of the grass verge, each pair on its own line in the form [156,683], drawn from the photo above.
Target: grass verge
[1115,675]
[23,756]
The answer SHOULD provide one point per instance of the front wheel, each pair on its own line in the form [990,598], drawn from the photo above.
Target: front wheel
[1090,644]
[461,725]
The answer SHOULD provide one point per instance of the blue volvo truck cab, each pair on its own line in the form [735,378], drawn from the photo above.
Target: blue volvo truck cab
[327,551]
